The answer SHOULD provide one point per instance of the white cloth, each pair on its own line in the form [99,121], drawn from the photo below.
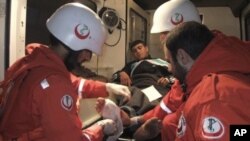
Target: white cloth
[112,111]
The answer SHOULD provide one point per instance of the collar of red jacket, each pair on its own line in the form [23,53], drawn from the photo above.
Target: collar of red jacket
[44,52]
[36,55]
[223,54]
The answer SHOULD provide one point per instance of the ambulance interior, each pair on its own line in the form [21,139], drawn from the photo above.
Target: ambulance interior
[23,22]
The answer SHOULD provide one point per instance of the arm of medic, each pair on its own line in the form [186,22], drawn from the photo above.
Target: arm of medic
[93,89]
[169,104]
[152,119]
[215,106]
[56,107]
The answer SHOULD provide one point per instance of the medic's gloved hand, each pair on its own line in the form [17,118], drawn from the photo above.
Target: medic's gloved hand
[108,126]
[117,89]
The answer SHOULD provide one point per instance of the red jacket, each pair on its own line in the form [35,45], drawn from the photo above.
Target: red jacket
[43,108]
[169,104]
[218,86]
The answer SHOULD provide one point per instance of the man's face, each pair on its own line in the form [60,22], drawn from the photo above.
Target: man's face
[75,59]
[175,68]
[163,38]
[139,51]
[84,56]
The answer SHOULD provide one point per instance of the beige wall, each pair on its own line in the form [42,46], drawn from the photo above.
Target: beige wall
[221,18]
[17,30]
[2,32]
[112,58]
[245,13]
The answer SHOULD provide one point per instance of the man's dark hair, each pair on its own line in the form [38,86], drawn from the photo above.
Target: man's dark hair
[69,61]
[136,42]
[192,37]
[55,42]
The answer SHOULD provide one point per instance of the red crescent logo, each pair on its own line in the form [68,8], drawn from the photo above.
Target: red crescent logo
[82,31]
[176,19]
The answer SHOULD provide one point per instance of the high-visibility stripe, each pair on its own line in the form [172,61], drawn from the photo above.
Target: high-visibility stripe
[80,88]
[165,108]
[87,136]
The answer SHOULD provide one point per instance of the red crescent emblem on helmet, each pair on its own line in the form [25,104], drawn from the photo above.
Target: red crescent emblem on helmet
[176,19]
[82,31]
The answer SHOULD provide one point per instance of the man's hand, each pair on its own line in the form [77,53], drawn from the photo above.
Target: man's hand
[117,89]
[125,79]
[149,130]
[99,105]
[163,81]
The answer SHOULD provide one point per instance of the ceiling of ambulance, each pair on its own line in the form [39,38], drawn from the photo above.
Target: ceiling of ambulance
[235,5]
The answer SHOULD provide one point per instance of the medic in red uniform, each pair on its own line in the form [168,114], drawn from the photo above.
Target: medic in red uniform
[40,94]
[163,23]
[217,81]
[166,17]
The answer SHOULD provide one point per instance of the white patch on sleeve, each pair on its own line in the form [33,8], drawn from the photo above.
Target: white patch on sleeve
[44,84]
[212,128]
[67,102]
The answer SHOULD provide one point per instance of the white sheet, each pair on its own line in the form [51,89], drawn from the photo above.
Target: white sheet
[151,93]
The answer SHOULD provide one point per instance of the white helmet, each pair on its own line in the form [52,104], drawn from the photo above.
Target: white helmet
[172,13]
[78,27]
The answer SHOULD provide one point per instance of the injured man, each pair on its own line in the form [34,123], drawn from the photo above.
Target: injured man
[148,78]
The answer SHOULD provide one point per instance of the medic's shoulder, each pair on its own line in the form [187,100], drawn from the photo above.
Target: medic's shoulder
[218,86]
[41,76]
[206,90]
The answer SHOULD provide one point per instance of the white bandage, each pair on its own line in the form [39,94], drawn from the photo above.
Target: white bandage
[112,111]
